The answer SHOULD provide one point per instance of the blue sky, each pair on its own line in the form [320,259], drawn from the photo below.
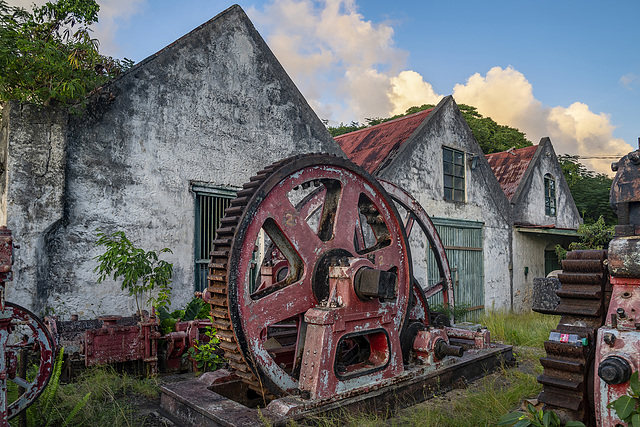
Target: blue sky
[565,69]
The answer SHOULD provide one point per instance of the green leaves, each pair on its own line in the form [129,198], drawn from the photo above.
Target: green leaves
[205,354]
[48,56]
[624,406]
[534,418]
[510,418]
[590,191]
[141,271]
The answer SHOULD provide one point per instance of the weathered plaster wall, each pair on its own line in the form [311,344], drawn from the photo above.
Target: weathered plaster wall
[528,208]
[529,251]
[417,167]
[213,107]
[529,199]
[32,153]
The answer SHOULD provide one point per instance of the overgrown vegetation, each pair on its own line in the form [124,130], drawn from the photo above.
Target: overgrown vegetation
[592,236]
[528,329]
[590,191]
[47,55]
[99,397]
[141,271]
[491,136]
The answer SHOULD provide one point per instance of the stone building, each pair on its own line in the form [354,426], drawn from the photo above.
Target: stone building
[434,156]
[157,154]
[543,212]
[500,216]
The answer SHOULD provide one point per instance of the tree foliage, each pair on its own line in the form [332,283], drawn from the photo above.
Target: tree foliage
[590,190]
[48,56]
[592,236]
[491,136]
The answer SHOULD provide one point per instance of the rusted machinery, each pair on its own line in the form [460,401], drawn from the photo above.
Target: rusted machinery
[107,339]
[595,349]
[315,302]
[20,331]
[133,342]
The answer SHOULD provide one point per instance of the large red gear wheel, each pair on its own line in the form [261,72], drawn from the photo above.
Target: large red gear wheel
[351,198]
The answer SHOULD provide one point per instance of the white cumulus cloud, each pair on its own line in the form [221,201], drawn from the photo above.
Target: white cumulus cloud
[507,97]
[347,67]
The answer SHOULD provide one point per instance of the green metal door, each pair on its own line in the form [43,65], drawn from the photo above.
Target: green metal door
[463,242]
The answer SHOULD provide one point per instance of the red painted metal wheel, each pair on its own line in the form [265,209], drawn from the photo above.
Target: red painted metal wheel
[417,215]
[357,219]
[24,330]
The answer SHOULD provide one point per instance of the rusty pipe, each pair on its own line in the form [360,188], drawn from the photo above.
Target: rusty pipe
[443,349]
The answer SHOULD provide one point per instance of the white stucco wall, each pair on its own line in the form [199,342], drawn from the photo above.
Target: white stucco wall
[529,208]
[418,168]
[214,107]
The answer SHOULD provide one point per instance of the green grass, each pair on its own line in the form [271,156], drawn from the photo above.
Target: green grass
[489,398]
[109,402]
[529,329]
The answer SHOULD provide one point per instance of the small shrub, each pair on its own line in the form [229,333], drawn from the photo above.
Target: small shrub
[535,418]
[141,271]
[205,353]
[594,236]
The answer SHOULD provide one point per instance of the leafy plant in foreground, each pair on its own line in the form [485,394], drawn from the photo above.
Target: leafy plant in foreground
[627,407]
[141,270]
[534,418]
[205,353]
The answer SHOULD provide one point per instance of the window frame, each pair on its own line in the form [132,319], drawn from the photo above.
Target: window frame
[453,175]
[550,195]
[202,191]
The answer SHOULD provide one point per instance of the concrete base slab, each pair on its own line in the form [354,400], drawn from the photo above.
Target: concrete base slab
[221,399]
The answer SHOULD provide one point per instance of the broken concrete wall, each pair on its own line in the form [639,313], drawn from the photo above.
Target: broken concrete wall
[418,168]
[214,107]
[33,164]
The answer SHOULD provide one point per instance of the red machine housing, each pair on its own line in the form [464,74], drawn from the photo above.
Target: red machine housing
[618,341]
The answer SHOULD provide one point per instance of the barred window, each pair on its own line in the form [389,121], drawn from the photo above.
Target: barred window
[549,195]
[453,169]
[210,205]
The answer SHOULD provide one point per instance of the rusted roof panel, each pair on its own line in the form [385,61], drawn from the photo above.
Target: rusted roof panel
[509,167]
[371,146]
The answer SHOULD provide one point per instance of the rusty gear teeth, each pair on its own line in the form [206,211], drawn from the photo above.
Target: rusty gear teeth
[217,277]
[584,299]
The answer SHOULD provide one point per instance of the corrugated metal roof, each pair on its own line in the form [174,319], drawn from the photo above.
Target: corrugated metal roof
[509,167]
[370,147]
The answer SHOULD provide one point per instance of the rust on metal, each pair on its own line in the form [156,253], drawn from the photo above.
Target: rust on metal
[509,167]
[372,147]
[20,330]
